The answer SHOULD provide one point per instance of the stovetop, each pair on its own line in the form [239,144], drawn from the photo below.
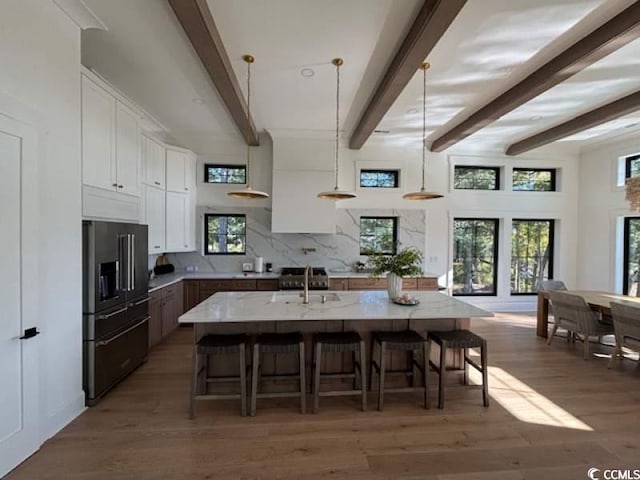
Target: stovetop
[317,271]
[292,278]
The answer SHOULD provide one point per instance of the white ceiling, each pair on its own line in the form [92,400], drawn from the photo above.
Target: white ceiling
[491,46]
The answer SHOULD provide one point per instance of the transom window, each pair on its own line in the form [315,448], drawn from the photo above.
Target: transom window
[632,166]
[378,235]
[475,256]
[379,178]
[236,174]
[225,234]
[531,255]
[534,179]
[476,178]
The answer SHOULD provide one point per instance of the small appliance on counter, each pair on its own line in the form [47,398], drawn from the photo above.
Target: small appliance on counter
[269,267]
[258,265]
[163,266]
[247,267]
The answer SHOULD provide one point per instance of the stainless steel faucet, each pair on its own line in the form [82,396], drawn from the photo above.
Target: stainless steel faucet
[308,272]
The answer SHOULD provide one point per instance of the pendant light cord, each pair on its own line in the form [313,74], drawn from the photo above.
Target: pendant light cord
[249,60]
[337,64]
[424,122]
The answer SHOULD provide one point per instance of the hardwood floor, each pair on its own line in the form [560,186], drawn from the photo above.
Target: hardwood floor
[552,416]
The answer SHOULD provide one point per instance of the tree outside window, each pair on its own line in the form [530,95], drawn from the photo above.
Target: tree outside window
[225,234]
[235,174]
[475,256]
[534,179]
[476,178]
[378,235]
[631,274]
[531,254]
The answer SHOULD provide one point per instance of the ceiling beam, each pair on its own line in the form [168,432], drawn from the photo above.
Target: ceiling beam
[198,24]
[609,37]
[432,21]
[593,118]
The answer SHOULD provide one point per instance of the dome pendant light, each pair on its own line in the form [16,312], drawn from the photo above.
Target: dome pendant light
[422,194]
[336,193]
[248,192]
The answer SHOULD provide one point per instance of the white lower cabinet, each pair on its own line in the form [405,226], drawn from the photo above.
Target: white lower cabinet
[155,217]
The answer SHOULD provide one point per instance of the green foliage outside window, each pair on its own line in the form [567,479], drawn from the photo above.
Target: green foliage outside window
[531,254]
[225,234]
[378,235]
[631,256]
[476,178]
[475,256]
[534,180]
[236,174]
[379,178]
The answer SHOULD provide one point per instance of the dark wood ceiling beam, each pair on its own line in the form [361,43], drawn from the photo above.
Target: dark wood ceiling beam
[198,24]
[609,37]
[593,118]
[432,21]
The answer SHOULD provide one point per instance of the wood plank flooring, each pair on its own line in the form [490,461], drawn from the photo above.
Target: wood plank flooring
[552,416]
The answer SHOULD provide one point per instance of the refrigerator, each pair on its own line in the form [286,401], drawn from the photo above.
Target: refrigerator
[115,304]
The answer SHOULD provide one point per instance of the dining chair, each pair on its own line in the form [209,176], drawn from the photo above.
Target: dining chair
[551,285]
[574,314]
[626,324]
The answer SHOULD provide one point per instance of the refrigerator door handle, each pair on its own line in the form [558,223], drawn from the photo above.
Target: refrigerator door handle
[132,262]
[117,276]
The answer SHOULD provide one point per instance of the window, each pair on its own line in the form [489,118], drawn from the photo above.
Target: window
[475,256]
[534,179]
[631,266]
[379,178]
[531,255]
[476,178]
[378,235]
[632,166]
[225,234]
[225,174]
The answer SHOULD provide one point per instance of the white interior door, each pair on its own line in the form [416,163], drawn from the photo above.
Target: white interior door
[19,420]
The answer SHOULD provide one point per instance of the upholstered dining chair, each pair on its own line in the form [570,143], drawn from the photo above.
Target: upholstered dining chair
[552,285]
[626,324]
[574,314]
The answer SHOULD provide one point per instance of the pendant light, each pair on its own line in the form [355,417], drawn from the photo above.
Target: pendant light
[422,194]
[248,192]
[336,193]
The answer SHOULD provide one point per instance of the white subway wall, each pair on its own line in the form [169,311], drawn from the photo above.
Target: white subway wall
[40,58]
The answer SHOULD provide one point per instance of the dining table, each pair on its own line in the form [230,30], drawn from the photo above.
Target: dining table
[598,301]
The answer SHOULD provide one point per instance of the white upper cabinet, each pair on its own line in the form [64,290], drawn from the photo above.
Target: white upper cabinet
[111,142]
[178,224]
[98,136]
[128,153]
[154,158]
[155,218]
[176,166]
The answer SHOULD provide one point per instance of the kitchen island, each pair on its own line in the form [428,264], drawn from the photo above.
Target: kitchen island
[362,311]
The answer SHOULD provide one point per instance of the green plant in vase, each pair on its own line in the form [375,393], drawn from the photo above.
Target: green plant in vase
[406,263]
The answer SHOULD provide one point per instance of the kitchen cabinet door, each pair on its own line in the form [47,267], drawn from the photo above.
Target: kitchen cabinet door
[191,294]
[169,311]
[155,215]
[177,221]
[154,163]
[176,167]
[128,151]
[98,134]
[155,318]
[190,173]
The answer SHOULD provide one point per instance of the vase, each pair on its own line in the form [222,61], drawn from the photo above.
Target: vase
[394,285]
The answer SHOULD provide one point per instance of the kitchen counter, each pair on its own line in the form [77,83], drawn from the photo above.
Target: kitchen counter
[165,280]
[237,307]
[350,274]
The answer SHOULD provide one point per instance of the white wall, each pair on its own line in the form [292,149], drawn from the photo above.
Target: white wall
[601,213]
[562,206]
[40,58]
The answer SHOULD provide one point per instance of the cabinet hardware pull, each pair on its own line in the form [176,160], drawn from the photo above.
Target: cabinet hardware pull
[30,333]
[157,183]
[120,186]
[114,184]
[186,188]
[107,342]
[156,246]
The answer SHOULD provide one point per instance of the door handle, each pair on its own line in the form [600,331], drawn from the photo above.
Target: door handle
[30,333]
[112,314]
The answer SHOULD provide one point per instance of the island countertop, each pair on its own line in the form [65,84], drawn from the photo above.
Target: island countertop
[238,307]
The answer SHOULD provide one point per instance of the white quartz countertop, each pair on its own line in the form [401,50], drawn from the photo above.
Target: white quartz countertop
[234,307]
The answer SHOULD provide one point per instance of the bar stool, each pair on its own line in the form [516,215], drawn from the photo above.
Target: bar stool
[408,341]
[339,342]
[218,345]
[461,339]
[278,343]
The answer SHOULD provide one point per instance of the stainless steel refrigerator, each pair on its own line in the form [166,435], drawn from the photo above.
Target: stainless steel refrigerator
[115,303]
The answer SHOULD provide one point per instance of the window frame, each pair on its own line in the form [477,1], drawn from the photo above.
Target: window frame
[478,167]
[552,233]
[496,259]
[627,164]
[227,166]
[625,253]
[395,172]
[207,216]
[554,178]
[395,233]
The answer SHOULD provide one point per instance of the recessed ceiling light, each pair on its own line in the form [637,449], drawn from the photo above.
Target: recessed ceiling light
[197,101]
[307,72]
[412,111]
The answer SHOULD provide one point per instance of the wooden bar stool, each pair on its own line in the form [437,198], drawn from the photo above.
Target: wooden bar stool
[278,343]
[218,345]
[461,339]
[407,341]
[339,342]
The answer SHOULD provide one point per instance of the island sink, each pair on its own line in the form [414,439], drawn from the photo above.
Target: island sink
[296,297]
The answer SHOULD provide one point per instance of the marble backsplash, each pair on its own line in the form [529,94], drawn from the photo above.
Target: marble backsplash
[337,252]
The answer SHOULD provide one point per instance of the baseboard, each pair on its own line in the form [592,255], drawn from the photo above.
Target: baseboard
[63,417]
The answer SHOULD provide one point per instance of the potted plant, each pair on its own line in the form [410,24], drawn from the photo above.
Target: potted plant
[407,262]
